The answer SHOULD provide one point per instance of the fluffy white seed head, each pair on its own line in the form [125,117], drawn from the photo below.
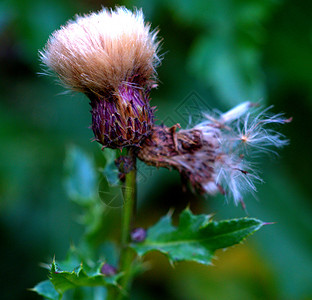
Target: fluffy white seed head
[99,51]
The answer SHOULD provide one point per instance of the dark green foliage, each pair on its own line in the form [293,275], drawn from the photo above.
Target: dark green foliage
[196,238]
[81,275]
[47,290]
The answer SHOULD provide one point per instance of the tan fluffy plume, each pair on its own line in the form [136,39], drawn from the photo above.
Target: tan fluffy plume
[98,52]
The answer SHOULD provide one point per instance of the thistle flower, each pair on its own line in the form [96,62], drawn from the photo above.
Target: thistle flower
[214,156]
[111,57]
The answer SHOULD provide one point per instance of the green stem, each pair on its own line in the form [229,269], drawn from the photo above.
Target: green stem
[127,255]
[129,203]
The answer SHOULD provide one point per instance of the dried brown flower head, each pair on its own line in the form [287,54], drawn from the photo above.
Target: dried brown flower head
[216,155]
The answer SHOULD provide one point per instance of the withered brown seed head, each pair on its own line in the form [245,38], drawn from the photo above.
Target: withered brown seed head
[216,155]
[179,150]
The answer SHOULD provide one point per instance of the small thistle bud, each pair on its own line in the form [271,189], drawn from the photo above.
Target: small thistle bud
[108,270]
[111,57]
[215,155]
[138,235]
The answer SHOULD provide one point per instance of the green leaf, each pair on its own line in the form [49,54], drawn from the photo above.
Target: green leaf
[196,238]
[47,290]
[77,274]
[110,170]
[110,187]
[81,177]
[79,277]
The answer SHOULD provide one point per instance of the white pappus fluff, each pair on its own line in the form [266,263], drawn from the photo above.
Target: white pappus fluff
[238,136]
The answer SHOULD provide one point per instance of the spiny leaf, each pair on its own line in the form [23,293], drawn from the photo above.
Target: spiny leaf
[47,290]
[65,280]
[196,238]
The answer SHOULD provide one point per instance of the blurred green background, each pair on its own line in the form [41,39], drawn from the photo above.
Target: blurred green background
[216,54]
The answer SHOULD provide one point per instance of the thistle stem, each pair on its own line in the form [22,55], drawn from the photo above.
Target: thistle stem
[129,203]
[127,255]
